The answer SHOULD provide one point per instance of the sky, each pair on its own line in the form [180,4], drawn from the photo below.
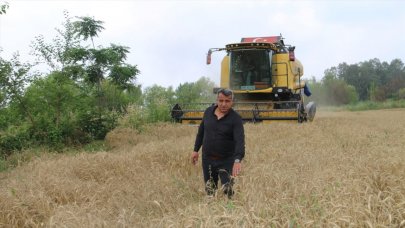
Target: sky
[169,39]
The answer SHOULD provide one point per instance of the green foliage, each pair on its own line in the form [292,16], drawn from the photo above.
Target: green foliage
[57,54]
[13,139]
[97,125]
[3,8]
[373,80]
[158,101]
[194,92]
[338,92]
[95,146]
[332,91]
[122,75]
[373,105]
[11,115]
[87,27]
[105,109]
[136,118]
[401,93]
[54,106]
[366,81]
[13,78]
[318,92]
[3,165]
[80,100]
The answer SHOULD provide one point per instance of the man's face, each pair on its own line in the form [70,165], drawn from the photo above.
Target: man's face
[224,103]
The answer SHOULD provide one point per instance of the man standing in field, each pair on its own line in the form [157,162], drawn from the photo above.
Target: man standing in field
[222,137]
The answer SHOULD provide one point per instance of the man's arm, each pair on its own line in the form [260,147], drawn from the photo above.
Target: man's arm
[239,138]
[199,137]
[198,143]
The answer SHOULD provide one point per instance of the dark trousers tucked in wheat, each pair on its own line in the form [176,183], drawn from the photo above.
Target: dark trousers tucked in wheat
[218,169]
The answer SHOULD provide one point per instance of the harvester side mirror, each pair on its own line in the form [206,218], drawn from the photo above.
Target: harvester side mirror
[291,53]
[209,57]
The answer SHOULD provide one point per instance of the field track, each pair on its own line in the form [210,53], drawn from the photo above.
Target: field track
[345,169]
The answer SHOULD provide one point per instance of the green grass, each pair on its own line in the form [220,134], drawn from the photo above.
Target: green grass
[372,105]
[96,146]
[366,105]
[3,165]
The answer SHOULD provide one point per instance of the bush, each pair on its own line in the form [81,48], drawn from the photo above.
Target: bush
[98,125]
[135,118]
[401,93]
[14,139]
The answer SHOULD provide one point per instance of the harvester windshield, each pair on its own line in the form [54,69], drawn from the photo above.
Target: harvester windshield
[250,69]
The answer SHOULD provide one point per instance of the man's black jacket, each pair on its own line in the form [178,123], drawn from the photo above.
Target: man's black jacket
[221,138]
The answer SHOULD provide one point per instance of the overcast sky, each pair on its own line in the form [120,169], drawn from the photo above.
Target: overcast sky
[169,39]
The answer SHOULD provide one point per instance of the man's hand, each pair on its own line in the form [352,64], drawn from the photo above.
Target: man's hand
[237,167]
[194,158]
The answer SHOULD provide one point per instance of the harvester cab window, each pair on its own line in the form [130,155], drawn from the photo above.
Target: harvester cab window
[250,69]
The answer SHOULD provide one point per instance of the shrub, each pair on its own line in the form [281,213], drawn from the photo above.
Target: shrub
[97,125]
[401,93]
[14,139]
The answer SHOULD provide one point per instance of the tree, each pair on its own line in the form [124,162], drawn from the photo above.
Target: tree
[3,8]
[79,99]
[91,68]
[157,102]
[318,91]
[54,103]
[63,52]
[332,90]
[14,108]
[401,93]
[194,92]
[87,27]
[374,80]
[14,77]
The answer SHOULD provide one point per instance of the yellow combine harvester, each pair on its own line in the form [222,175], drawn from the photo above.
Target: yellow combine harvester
[266,79]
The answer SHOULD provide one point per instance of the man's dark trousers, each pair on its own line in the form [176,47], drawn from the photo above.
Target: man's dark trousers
[215,169]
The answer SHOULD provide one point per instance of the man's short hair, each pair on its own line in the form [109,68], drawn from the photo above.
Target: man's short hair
[226,92]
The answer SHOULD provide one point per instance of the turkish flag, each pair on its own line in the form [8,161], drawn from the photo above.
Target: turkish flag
[265,39]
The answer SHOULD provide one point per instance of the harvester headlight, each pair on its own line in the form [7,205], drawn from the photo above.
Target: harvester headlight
[280,90]
[276,95]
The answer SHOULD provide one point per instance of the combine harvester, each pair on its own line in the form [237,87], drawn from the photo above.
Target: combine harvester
[266,79]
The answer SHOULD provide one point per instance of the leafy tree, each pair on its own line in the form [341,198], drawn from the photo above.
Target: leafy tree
[3,8]
[80,99]
[97,71]
[58,53]
[337,92]
[157,102]
[319,93]
[14,77]
[401,93]
[372,79]
[87,27]
[193,92]
[54,104]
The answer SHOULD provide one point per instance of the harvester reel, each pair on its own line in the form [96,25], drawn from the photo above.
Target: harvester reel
[176,112]
[256,113]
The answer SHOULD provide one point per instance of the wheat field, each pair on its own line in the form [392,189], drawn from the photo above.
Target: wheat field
[345,169]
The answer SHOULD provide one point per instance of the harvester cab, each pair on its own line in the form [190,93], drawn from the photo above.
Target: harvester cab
[266,79]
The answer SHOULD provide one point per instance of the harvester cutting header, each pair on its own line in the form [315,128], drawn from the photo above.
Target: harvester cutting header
[266,79]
